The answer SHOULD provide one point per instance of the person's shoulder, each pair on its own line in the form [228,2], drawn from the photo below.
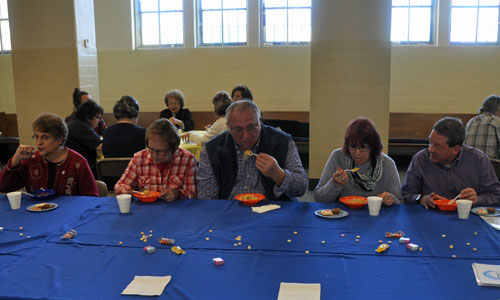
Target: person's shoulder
[184,153]
[473,152]
[73,155]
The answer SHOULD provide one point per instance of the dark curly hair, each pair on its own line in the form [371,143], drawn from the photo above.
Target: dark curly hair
[126,107]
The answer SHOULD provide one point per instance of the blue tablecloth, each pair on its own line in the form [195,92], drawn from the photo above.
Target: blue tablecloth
[94,265]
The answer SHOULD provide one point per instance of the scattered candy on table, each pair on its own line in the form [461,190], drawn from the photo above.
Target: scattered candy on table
[475,233]
[397,234]
[412,247]
[468,244]
[21,227]
[238,238]
[382,248]
[323,242]
[404,240]
[295,232]
[453,256]
[21,234]
[1,229]
[357,240]
[121,243]
[358,237]
[443,235]
[177,250]
[207,238]
[70,234]
[218,261]
[249,247]
[474,249]
[342,235]
[307,251]
[166,241]
[289,241]
[210,230]
[149,249]
[451,247]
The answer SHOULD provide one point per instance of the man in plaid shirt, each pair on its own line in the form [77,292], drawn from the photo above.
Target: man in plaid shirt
[162,166]
[483,131]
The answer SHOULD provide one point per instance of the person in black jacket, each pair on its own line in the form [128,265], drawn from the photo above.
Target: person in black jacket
[175,112]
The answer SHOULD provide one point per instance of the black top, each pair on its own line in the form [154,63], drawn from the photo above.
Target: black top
[184,115]
[83,139]
[123,140]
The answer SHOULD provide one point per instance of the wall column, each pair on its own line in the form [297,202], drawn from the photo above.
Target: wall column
[350,72]
[52,53]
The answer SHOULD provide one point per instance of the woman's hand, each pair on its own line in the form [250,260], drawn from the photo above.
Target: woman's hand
[175,121]
[23,152]
[387,198]
[340,177]
[169,194]
[185,136]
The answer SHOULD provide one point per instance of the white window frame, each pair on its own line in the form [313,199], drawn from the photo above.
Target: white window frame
[262,12]
[199,32]
[477,21]
[138,29]
[2,50]
[432,25]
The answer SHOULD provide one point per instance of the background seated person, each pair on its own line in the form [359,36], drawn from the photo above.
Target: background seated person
[79,97]
[377,174]
[52,166]
[175,112]
[448,169]
[124,138]
[483,130]
[82,136]
[241,92]
[221,102]
[162,166]
[224,172]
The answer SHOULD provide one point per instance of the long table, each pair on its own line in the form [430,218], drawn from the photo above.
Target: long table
[284,245]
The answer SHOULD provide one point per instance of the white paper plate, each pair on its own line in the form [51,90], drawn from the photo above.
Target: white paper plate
[341,214]
[475,209]
[34,207]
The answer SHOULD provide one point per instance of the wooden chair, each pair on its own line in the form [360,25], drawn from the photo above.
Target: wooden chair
[110,170]
[102,188]
[496,166]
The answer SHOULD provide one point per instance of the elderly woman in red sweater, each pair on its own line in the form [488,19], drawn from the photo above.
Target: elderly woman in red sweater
[52,166]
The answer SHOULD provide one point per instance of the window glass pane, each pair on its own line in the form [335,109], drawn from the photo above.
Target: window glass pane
[171,28]
[212,27]
[464,2]
[463,24]
[234,4]
[276,26]
[4,12]
[399,2]
[274,3]
[399,24]
[235,26]
[489,2]
[420,24]
[149,5]
[211,4]
[299,25]
[5,29]
[420,2]
[299,3]
[150,29]
[170,5]
[487,27]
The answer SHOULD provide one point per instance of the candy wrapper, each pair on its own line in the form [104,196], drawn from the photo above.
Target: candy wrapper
[218,261]
[382,248]
[395,234]
[149,249]
[70,234]
[412,247]
[177,250]
[404,240]
[166,241]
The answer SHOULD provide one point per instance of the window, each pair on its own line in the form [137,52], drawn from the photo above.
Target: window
[223,22]
[4,28]
[474,21]
[412,21]
[159,23]
[287,21]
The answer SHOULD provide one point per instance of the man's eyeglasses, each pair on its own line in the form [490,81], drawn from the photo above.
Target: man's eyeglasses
[159,152]
[43,137]
[362,149]
[239,130]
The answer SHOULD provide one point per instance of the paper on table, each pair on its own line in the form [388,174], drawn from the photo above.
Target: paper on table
[299,291]
[147,285]
[265,208]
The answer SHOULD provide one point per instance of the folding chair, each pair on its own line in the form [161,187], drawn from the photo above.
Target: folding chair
[110,170]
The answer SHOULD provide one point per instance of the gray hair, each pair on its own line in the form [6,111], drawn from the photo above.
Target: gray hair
[490,104]
[452,128]
[126,107]
[52,124]
[242,106]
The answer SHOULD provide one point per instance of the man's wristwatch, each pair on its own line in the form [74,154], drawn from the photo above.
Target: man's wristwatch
[417,199]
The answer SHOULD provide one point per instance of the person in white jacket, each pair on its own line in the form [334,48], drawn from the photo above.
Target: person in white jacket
[221,101]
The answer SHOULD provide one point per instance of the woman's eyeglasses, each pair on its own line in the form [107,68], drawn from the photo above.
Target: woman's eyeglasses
[159,152]
[362,149]
[43,137]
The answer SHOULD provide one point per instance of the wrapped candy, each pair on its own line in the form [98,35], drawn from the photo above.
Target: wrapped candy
[166,241]
[397,234]
[218,261]
[149,249]
[70,234]
[177,250]
[382,248]
[412,247]
[404,240]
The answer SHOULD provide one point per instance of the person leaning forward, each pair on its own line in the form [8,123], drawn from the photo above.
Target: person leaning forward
[224,172]
[449,169]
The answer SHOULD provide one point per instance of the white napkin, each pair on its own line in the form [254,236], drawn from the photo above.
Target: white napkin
[299,291]
[493,221]
[265,208]
[147,285]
